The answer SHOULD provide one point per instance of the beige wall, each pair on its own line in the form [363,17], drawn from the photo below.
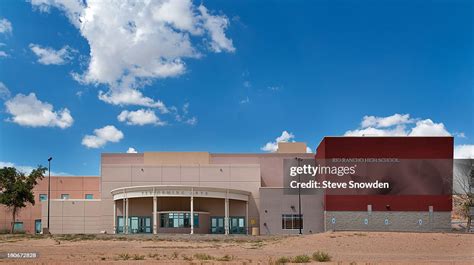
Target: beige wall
[77,187]
[177,158]
[73,216]
[292,148]
[271,165]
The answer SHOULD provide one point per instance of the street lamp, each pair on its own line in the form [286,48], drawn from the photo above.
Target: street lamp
[299,160]
[49,186]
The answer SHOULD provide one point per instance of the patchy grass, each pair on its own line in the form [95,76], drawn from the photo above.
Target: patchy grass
[321,256]
[138,257]
[301,259]
[203,256]
[226,257]
[282,260]
[124,256]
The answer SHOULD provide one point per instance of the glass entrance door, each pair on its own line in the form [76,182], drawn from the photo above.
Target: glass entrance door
[217,225]
[137,224]
[38,226]
[236,223]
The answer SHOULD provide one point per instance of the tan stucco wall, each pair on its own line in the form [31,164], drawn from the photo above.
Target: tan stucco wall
[271,165]
[289,148]
[74,216]
[177,158]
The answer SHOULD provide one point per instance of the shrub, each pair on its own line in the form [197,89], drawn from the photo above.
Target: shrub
[203,256]
[282,260]
[301,259]
[321,256]
[124,256]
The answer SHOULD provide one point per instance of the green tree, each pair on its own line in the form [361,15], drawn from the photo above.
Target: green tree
[16,188]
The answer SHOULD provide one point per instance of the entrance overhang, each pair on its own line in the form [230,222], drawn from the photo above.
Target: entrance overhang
[179,191]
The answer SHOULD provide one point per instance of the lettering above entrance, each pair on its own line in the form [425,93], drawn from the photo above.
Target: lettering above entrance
[179,191]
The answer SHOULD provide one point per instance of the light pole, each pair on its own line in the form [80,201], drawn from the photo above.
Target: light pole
[299,195]
[49,186]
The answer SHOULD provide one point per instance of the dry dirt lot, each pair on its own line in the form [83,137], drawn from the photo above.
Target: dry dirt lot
[343,247]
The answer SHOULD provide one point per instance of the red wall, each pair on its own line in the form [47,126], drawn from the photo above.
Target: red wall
[387,147]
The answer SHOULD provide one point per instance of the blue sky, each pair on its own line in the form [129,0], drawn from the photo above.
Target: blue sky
[228,76]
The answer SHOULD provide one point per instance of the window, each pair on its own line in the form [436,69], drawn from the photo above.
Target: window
[89,196]
[291,221]
[64,196]
[18,227]
[43,197]
[177,220]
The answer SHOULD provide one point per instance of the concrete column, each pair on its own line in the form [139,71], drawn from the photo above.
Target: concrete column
[192,213]
[126,216]
[247,216]
[123,215]
[226,217]
[155,221]
[115,218]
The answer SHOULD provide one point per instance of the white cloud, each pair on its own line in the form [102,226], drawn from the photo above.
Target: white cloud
[5,26]
[183,116]
[216,25]
[3,54]
[27,169]
[131,150]
[382,122]
[429,128]
[50,56]
[464,151]
[140,117]
[403,125]
[4,91]
[127,96]
[273,146]
[191,121]
[132,43]
[398,125]
[29,111]
[308,150]
[101,136]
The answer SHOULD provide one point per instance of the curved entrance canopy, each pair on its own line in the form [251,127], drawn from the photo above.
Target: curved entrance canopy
[179,191]
[191,192]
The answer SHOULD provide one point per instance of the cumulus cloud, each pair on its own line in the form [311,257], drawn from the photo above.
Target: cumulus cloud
[398,125]
[27,110]
[383,122]
[27,169]
[464,151]
[5,26]
[101,136]
[127,96]
[135,42]
[50,56]
[4,91]
[140,117]
[285,137]
[131,150]
[403,125]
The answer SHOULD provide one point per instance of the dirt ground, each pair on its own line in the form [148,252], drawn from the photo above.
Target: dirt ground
[343,247]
